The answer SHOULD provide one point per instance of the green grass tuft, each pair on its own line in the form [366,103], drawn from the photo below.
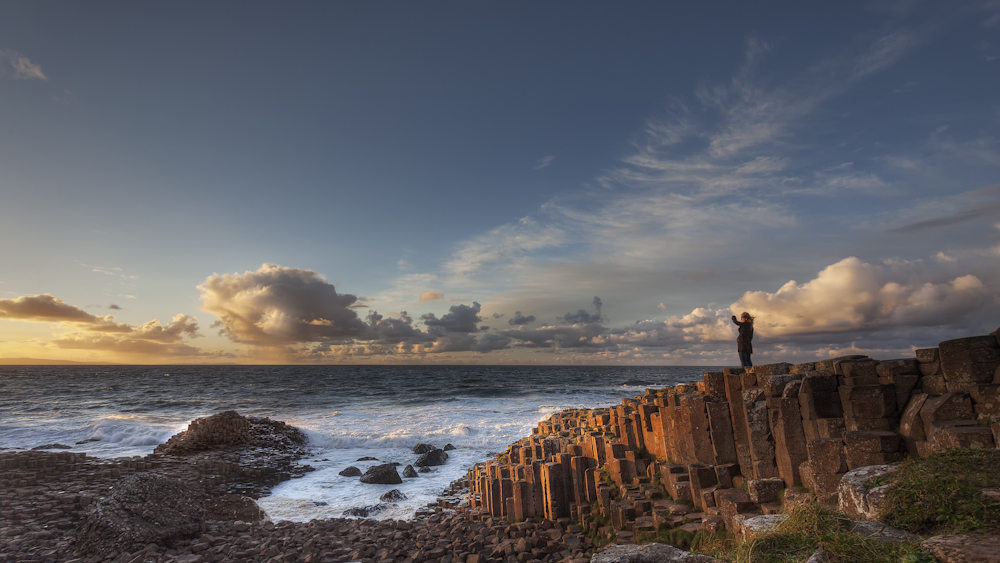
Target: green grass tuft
[941,494]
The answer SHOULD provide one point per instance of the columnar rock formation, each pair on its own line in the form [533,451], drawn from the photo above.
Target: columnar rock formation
[707,455]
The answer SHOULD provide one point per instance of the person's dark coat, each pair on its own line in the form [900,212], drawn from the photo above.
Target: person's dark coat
[743,341]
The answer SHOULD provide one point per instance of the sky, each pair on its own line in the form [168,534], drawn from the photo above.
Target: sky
[496,183]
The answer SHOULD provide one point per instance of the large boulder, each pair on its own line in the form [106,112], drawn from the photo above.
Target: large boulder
[434,457]
[392,496]
[351,472]
[409,472]
[142,509]
[230,429]
[423,448]
[649,553]
[384,474]
[365,511]
[857,498]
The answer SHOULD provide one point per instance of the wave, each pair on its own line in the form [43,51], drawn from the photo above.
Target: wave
[131,431]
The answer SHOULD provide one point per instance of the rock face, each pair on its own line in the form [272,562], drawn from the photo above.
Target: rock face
[351,472]
[966,548]
[433,457]
[234,507]
[423,448]
[448,447]
[392,496]
[141,510]
[384,474]
[649,553]
[409,472]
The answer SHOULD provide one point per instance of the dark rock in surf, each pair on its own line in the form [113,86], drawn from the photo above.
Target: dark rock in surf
[392,496]
[351,472]
[409,472]
[425,469]
[366,458]
[365,511]
[384,474]
[234,507]
[448,447]
[52,447]
[435,457]
[423,448]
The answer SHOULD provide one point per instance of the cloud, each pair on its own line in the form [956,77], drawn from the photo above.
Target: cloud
[431,296]
[276,306]
[92,332]
[981,212]
[115,307]
[544,162]
[24,69]
[460,318]
[582,316]
[520,320]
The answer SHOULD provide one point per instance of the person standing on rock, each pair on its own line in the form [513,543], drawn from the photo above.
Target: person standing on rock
[743,341]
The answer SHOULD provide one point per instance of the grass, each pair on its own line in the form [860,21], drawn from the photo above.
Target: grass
[808,528]
[941,494]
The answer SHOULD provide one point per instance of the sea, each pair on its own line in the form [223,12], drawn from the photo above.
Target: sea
[347,413]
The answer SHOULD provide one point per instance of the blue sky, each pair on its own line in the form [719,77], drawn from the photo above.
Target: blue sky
[259,177]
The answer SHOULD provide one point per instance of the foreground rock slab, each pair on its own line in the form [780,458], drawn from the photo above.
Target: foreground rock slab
[965,548]
[649,553]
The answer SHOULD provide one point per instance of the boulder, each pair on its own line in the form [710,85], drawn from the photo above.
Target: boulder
[367,458]
[649,553]
[365,511]
[763,524]
[409,472]
[142,509]
[423,448]
[964,548]
[424,469]
[234,507]
[970,360]
[52,447]
[384,474]
[351,472]
[392,496]
[448,447]
[434,457]
[856,498]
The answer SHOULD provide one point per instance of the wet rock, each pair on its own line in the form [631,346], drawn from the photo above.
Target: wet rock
[434,457]
[52,447]
[424,469]
[423,448]
[392,496]
[367,458]
[351,472]
[384,474]
[448,447]
[649,553]
[234,507]
[141,510]
[409,472]
[365,511]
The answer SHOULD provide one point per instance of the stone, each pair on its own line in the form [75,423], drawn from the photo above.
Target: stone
[882,532]
[365,511]
[931,369]
[964,548]
[871,442]
[790,441]
[351,472]
[234,507]
[384,474]
[974,437]
[721,429]
[448,447]
[791,390]
[648,553]
[433,457]
[423,448]
[393,495]
[949,406]
[856,498]
[409,472]
[926,355]
[766,370]
[760,525]
[868,401]
[893,368]
[765,490]
[827,456]
[142,509]
[911,426]
[970,360]
[774,385]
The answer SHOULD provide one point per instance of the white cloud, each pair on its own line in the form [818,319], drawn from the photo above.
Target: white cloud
[544,162]
[431,296]
[24,69]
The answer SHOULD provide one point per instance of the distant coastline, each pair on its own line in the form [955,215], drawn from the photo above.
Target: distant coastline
[42,362]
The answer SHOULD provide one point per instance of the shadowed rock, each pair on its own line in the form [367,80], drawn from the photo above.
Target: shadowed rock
[351,472]
[234,507]
[423,448]
[365,511]
[392,496]
[141,510]
[448,447]
[384,474]
[409,472]
[434,457]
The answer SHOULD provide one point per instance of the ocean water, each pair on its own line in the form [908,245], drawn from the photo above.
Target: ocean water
[347,412]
